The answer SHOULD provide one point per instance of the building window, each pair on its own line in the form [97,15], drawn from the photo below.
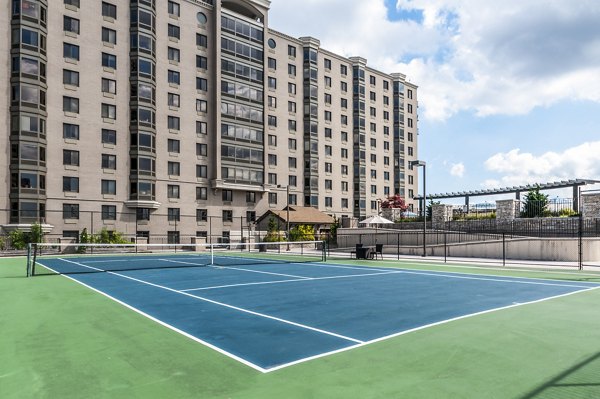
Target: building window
[328,116]
[409,93]
[328,202]
[291,125]
[70,77]
[291,51]
[291,69]
[70,131]
[74,3]
[173,214]
[344,186]
[70,184]
[201,62]
[272,120]
[173,122]
[109,212]
[327,81]
[173,8]
[272,83]
[328,184]
[328,150]
[250,197]
[71,157]
[201,84]
[272,178]
[109,136]
[109,10]
[272,198]
[201,106]
[172,191]
[272,140]
[227,215]
[292,144]
[173,77]
[173,100]
[109,61]
[173,31]
[70,24]
[201,215]
[109,36]
[70,211]
[70,104]
[328,167]
[227,195]
[173,168]
[344,203]
[71,51]
[201,171]
[272,160]
[291,88]
[109,161]
[201,127]
[201,193]
[173,54]
[250,216]
[109,86]
[201,149]
[272,63]
[173,146]
[109,187]
[292,162]
[109,111]
[201,40]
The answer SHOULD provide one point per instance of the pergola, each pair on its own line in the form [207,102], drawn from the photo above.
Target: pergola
[517,190]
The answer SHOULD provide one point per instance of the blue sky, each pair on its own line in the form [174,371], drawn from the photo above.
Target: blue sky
[508,94]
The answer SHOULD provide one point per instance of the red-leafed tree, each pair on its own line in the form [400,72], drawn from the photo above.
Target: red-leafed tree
[394,202]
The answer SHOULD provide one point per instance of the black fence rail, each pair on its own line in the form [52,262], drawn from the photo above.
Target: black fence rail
[575,251]
[74,225]
[536,227]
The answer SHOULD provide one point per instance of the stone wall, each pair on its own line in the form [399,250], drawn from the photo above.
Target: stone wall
[590,205]
[506,210]
[440,214]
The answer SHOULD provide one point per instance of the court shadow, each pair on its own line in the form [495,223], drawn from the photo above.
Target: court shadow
[580,381]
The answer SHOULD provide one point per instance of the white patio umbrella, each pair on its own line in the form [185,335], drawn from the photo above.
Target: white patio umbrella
[375,220]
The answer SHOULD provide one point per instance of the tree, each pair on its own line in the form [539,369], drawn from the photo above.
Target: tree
[430,208]
[303,232]
[535,204]
[394,202]
[272,231]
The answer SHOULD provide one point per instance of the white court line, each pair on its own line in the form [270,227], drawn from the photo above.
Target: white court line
[237,268]
[288,281]
[359,343]
[266,316]
[424,327]
[162,323]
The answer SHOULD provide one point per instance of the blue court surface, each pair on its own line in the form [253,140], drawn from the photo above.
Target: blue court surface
[271,315]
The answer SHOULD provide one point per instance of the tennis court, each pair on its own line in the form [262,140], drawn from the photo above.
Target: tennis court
[280,310]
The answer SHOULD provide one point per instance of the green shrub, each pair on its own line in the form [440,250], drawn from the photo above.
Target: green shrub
[302,232]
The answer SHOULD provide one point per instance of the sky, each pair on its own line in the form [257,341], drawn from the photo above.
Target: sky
[509,92]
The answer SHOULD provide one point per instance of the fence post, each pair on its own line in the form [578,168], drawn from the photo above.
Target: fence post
[503,249]
[445,246]
[398,250]
[580,249]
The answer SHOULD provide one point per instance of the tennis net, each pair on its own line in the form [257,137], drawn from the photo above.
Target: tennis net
[72,258]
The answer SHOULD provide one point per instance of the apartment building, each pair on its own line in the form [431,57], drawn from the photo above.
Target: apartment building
[189,118]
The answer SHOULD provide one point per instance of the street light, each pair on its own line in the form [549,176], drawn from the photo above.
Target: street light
[424,207]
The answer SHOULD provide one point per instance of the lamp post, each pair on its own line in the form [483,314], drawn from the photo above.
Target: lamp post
[424,206]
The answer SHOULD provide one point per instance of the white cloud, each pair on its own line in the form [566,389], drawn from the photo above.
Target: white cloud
[516,167]
[468,54]
[457,169]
